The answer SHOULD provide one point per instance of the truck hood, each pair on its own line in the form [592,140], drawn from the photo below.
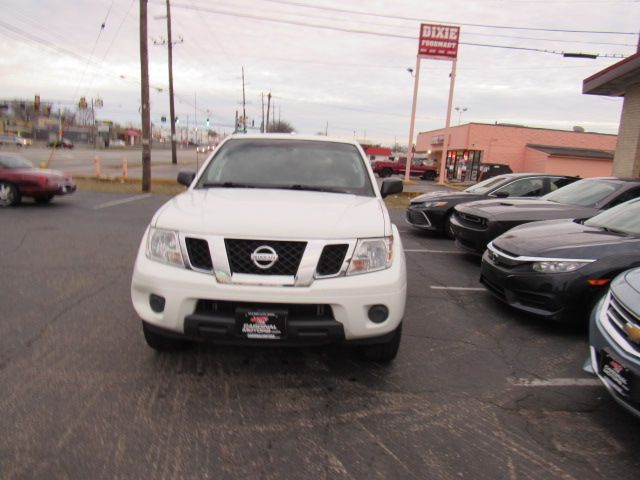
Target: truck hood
[565,239]
[273,214]
[525,210]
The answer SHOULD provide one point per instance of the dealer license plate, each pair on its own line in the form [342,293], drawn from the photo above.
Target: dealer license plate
[617,373]
[262,324]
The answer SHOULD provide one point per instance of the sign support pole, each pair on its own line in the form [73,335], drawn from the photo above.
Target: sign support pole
[445,147]
[410,149]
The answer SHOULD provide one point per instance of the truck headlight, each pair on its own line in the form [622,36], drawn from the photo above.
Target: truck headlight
[370,255]
[557,266]
[164,246]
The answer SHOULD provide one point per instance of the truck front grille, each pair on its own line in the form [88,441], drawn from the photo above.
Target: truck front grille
[331,260]
[289,256]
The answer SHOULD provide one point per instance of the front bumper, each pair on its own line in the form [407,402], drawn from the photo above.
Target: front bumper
[426,219]
[348,299]
[554,296]
[605,347]
[472,240]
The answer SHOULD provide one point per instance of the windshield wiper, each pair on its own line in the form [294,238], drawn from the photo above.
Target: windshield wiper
[612,230]
[310,188]
[228,185]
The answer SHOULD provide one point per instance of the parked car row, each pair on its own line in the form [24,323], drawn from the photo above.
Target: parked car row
[570,255]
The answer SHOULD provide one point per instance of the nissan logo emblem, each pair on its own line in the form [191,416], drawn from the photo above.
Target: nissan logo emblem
[264,257]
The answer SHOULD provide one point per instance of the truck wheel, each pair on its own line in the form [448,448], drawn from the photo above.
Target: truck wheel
[383,352]
[386,172]
[162,343]
[9,194]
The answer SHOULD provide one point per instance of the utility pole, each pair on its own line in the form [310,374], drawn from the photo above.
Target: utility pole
[268,107]
[262,124]
[172,111]
[244,111]
[146,114]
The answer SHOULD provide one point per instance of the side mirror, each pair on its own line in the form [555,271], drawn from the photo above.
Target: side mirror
[390,186]
[502,194]
[186,178]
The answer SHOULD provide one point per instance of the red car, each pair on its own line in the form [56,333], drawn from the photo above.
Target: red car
[19,178]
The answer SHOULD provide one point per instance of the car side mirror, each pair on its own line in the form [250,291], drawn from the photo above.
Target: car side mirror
[186,178]
[390,186]
[502,194]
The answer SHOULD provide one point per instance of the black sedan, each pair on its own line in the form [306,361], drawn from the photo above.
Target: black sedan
[614,338]
[475,224]
[433,211]
[558,269]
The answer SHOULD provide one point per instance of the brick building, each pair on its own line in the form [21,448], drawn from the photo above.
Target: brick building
[524,149]
[622,80]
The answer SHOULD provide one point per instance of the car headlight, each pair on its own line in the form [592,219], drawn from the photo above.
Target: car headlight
[429,204]
[562,266]
[370,255]
[164,246]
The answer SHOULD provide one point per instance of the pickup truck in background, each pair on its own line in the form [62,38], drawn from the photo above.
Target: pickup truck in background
[418,168]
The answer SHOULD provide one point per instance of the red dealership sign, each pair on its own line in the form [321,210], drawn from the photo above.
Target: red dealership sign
[439,41]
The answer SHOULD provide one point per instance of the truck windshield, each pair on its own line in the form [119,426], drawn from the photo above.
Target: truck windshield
[288,164]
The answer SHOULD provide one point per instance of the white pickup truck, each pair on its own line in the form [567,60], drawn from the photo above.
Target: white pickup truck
[279,239]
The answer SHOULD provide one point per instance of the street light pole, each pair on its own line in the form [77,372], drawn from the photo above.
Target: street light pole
[460,111]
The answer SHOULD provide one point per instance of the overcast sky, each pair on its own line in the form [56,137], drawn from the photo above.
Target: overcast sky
[317,66]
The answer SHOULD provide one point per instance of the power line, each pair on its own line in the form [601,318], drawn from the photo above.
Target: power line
[95,44]
[416,19]
[365,32]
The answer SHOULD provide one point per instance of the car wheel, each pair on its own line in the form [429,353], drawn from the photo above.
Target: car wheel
[386,172]
[9,194]
[448,231]
[429,175]
[43,200]
[383,352]
[162,343]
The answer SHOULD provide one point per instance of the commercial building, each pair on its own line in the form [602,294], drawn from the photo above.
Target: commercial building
[622,80]
[523,149]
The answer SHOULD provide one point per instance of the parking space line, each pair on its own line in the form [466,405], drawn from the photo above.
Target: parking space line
[555,382]
[431,251]
[120,202]
[463,289]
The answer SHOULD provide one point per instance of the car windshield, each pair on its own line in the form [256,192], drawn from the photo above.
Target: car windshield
[583,193]
[484,186]
[623,218]
[14,161]
[288,164]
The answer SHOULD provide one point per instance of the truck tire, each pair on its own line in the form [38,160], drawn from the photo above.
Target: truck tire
[386,172]
[383,352]
[162,343]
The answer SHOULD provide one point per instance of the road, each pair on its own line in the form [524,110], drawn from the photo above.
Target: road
[478,391]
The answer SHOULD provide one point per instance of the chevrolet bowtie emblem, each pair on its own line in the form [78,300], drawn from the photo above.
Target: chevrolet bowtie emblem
[633,332]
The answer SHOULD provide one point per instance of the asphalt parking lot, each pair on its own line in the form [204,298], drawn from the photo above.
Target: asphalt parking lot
[478,391]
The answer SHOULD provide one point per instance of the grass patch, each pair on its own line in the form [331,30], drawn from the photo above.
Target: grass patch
[126,186]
